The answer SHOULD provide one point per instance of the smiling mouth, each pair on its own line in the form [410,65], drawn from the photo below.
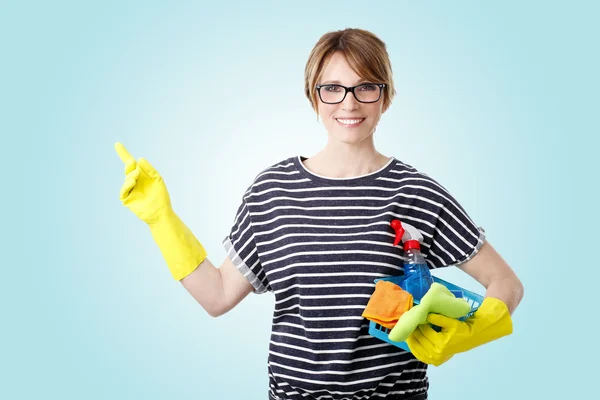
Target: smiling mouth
[350,122]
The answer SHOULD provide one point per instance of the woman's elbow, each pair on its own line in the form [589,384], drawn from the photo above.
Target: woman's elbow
[214,310]
[519,290]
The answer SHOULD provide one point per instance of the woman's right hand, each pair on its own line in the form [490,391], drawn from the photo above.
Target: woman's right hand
[144,192]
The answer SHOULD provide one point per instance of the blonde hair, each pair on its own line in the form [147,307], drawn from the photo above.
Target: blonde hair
[365,53]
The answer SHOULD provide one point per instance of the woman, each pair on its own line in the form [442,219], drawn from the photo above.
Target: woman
[316,232]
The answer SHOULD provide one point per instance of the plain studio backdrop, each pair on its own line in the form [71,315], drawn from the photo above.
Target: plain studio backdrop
[498,102]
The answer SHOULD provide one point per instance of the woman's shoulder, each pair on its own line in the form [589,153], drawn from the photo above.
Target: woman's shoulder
[404,171]
[276,171]
[412,177]
[285,166]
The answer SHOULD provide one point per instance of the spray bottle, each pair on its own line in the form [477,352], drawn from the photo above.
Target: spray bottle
[418,278]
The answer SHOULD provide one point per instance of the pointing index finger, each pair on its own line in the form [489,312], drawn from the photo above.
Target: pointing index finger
[123,153]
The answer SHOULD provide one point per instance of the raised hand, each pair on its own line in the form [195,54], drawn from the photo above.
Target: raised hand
[144,192]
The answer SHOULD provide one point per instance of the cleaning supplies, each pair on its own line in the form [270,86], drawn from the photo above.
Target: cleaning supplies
[387,304]
[438,299]
[144,192]
[418,278]
[490,322]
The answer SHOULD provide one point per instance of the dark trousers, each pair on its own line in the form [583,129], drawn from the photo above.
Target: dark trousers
[420,396]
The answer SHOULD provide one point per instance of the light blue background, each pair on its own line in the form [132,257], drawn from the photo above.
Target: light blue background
[497,101]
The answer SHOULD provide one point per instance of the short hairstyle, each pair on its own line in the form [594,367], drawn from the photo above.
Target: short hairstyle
[365,53]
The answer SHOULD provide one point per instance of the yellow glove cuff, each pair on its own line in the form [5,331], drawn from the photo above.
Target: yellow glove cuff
[493,321]
[178,245]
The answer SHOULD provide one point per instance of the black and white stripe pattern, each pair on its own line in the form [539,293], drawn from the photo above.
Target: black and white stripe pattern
[318,243]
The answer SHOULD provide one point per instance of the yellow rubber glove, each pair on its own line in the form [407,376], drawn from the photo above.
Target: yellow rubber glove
[490,322]
[145,193]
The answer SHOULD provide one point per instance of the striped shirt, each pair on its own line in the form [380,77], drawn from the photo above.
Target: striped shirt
[318,244]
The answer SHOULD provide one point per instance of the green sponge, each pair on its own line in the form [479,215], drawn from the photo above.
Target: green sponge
[438,300]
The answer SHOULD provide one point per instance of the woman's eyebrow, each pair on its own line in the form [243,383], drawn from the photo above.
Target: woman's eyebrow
[336,82]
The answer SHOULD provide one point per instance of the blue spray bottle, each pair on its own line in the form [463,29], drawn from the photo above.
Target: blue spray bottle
[418,278]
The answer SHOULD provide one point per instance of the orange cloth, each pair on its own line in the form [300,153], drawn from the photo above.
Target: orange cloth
[387,304]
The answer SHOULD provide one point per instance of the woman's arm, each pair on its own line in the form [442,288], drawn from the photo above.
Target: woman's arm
[490,269]
[217,290]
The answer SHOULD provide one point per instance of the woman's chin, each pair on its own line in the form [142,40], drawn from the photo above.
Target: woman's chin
[349,136]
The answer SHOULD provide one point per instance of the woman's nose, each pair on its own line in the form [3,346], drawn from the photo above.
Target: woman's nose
[350,102]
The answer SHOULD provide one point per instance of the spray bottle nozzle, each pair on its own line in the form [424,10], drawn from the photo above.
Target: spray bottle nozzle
[405,232]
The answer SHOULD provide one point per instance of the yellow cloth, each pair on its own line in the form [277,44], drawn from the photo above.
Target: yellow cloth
[438,299]
[144,192]
[387,304]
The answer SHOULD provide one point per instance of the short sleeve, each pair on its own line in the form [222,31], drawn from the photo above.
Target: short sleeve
[241,249]
[455,238]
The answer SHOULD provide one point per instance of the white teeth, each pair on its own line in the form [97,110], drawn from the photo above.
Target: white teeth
[350,121]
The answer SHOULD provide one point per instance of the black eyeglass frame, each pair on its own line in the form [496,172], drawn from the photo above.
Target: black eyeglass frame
[351,89]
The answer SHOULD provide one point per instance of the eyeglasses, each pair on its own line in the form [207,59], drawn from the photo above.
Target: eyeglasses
[363,93]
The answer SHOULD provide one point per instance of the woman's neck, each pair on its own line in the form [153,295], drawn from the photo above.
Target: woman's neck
[346,161]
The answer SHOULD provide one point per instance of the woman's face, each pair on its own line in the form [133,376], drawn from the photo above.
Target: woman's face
[349,121]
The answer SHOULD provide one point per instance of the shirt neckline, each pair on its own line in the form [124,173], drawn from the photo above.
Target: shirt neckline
[355,180]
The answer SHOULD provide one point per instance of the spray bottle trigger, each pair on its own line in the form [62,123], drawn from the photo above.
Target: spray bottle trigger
[397,226]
